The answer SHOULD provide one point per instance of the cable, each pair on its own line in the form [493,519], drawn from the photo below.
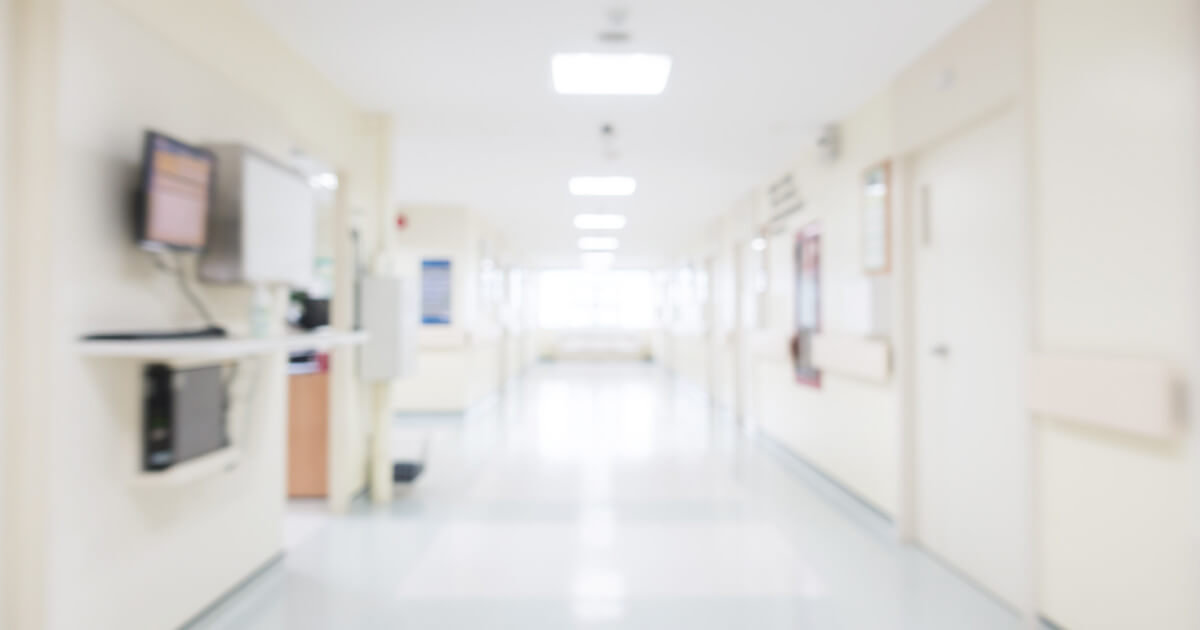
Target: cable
[180,272]
[248,401]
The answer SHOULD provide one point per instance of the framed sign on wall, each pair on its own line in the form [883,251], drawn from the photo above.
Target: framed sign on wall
[877,219]
[436,287]
[807,304]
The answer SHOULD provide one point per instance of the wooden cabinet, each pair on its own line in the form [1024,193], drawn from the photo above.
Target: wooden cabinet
[308,435]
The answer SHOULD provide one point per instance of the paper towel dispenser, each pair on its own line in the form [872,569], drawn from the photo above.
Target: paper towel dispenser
[262,229]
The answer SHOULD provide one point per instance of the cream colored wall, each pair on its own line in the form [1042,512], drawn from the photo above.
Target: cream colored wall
[690,355]
[687,333]
[689,344]
[1113,96]
[530,346]
[458,364]
[29,331]
[549,343]
[721,336]
[438,382]
[976,69]
[6,93]
[225,37]
[1117,91]
[100,74]
[847,428]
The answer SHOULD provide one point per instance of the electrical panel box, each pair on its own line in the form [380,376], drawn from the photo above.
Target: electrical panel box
[390,318]
[262,228]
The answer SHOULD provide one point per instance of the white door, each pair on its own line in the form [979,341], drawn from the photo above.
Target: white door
[971,290]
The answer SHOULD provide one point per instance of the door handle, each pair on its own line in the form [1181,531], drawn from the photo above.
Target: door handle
[940,351]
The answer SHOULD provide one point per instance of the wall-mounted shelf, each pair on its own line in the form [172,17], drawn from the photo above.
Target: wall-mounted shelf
[324,340]
[186,472]
[216,348]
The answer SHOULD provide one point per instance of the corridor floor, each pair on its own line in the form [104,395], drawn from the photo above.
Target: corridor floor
[603,496]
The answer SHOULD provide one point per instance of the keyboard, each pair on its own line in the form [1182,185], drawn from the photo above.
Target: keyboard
[212,332]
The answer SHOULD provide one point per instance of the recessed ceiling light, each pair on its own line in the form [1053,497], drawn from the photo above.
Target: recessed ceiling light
[600,221]
[587,73]
[327,181]
[602,186]
[598,243]
[597,260]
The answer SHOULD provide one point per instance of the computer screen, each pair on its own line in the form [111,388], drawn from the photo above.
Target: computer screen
[177,190]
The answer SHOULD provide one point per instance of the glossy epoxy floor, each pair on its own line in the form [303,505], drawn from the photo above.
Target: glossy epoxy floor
[603,496]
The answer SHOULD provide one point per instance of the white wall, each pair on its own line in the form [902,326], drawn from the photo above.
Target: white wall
[1118,152]
[111,555]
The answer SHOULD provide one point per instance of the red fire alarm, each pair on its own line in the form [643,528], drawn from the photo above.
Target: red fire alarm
[401,221]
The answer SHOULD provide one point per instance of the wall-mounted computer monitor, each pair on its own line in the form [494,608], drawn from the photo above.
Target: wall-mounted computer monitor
[176,194]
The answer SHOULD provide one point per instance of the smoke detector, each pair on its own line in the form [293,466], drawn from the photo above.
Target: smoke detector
[616,32]
[608,139]
[829,143]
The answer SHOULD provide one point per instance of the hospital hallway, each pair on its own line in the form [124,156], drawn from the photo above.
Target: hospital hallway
[603,495]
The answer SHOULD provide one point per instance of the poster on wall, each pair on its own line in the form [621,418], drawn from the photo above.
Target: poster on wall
[436,285]
[807,304]
[876,219]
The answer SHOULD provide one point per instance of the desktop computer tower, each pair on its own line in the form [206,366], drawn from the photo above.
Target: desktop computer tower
[184,414]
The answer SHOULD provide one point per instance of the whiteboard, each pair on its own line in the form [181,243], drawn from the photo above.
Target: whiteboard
[278,224]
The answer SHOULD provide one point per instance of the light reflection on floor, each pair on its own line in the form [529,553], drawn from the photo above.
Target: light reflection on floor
[605,496]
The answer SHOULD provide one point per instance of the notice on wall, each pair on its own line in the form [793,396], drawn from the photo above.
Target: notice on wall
[807,259]
[436,286]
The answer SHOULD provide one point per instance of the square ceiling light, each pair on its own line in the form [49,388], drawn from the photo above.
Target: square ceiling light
[602,186]
[598,243]
[600,221]
[589,73]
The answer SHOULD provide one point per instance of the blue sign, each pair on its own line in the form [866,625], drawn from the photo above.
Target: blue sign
[436,285]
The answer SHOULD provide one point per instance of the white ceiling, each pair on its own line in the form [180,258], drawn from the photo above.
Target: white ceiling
[479,124]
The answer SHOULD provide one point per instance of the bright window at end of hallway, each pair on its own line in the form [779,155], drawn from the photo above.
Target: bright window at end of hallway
[615,299]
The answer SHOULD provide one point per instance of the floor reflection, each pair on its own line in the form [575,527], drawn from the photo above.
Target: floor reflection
[605,496]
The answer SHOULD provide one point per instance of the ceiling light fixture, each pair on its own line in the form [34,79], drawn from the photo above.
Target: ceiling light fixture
[759,244]
[595,261]
[610,74]
[598,243]
[602,186]
[600,221]
[326,181]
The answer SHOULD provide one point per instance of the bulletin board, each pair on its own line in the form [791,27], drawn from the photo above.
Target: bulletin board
[807,304]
